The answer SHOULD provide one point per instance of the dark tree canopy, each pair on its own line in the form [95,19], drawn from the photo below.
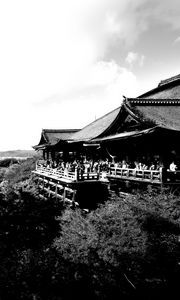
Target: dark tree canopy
[126,248]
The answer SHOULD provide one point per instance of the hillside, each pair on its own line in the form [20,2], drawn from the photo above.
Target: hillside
[17,153]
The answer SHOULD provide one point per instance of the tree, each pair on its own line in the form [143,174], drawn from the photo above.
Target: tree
[126,248]
[28,221]
[27,228]
[129,245]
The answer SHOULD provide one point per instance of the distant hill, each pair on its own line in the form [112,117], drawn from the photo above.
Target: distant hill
[18,153]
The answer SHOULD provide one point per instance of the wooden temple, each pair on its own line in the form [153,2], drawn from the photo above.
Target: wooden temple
[133,145]
[53,140]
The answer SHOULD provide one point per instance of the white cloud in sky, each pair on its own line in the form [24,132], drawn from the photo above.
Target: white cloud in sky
[53,66]
[100,90]
[134,58]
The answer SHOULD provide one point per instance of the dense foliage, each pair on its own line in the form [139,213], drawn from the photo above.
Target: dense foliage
[6,162]
[20,171]
[126,248]
[27,228]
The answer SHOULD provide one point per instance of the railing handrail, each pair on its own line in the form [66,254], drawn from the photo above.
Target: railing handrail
[66,174]
[146,175]
[134,169]
[137,174]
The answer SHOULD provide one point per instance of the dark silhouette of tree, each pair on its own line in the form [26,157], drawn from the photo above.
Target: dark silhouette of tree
[129,245]
[126,248]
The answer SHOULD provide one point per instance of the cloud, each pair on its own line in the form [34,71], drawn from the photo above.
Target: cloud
[133,58]
[48,47]
[101,88]
[55,52]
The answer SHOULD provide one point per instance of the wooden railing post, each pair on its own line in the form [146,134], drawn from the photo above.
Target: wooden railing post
[142,174]
[151,177]
[161,175]
[98,172]
[87,174]
[135,173]
[76,175]
[64,194]
[74,196]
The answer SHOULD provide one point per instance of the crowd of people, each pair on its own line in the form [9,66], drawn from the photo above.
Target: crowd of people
[100,165]
[82,165]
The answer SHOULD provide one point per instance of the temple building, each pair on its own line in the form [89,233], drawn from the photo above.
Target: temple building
[139,140]
[53,141]
[149,123]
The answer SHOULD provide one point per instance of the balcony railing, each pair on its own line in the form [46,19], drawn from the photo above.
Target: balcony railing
[153,176]
[66,175]
[133,174]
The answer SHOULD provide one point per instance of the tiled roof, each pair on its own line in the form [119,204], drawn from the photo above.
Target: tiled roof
[164,113]
[169,80]
[166,89]
[124,135]
[96,128]
[53,136]
[169,92]
[159,107]
[50,137]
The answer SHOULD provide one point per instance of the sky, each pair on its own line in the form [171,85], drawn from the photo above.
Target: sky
[65,63]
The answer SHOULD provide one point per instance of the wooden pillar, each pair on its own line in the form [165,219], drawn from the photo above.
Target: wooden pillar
[44,154]
[163,175]
[56,189]
[52,155]
[76,173]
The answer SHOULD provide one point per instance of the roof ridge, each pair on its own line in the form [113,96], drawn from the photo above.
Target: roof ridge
[59,130]
[170,79]
[162,85]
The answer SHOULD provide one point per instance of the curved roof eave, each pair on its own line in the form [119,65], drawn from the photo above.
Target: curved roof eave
[128,134]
